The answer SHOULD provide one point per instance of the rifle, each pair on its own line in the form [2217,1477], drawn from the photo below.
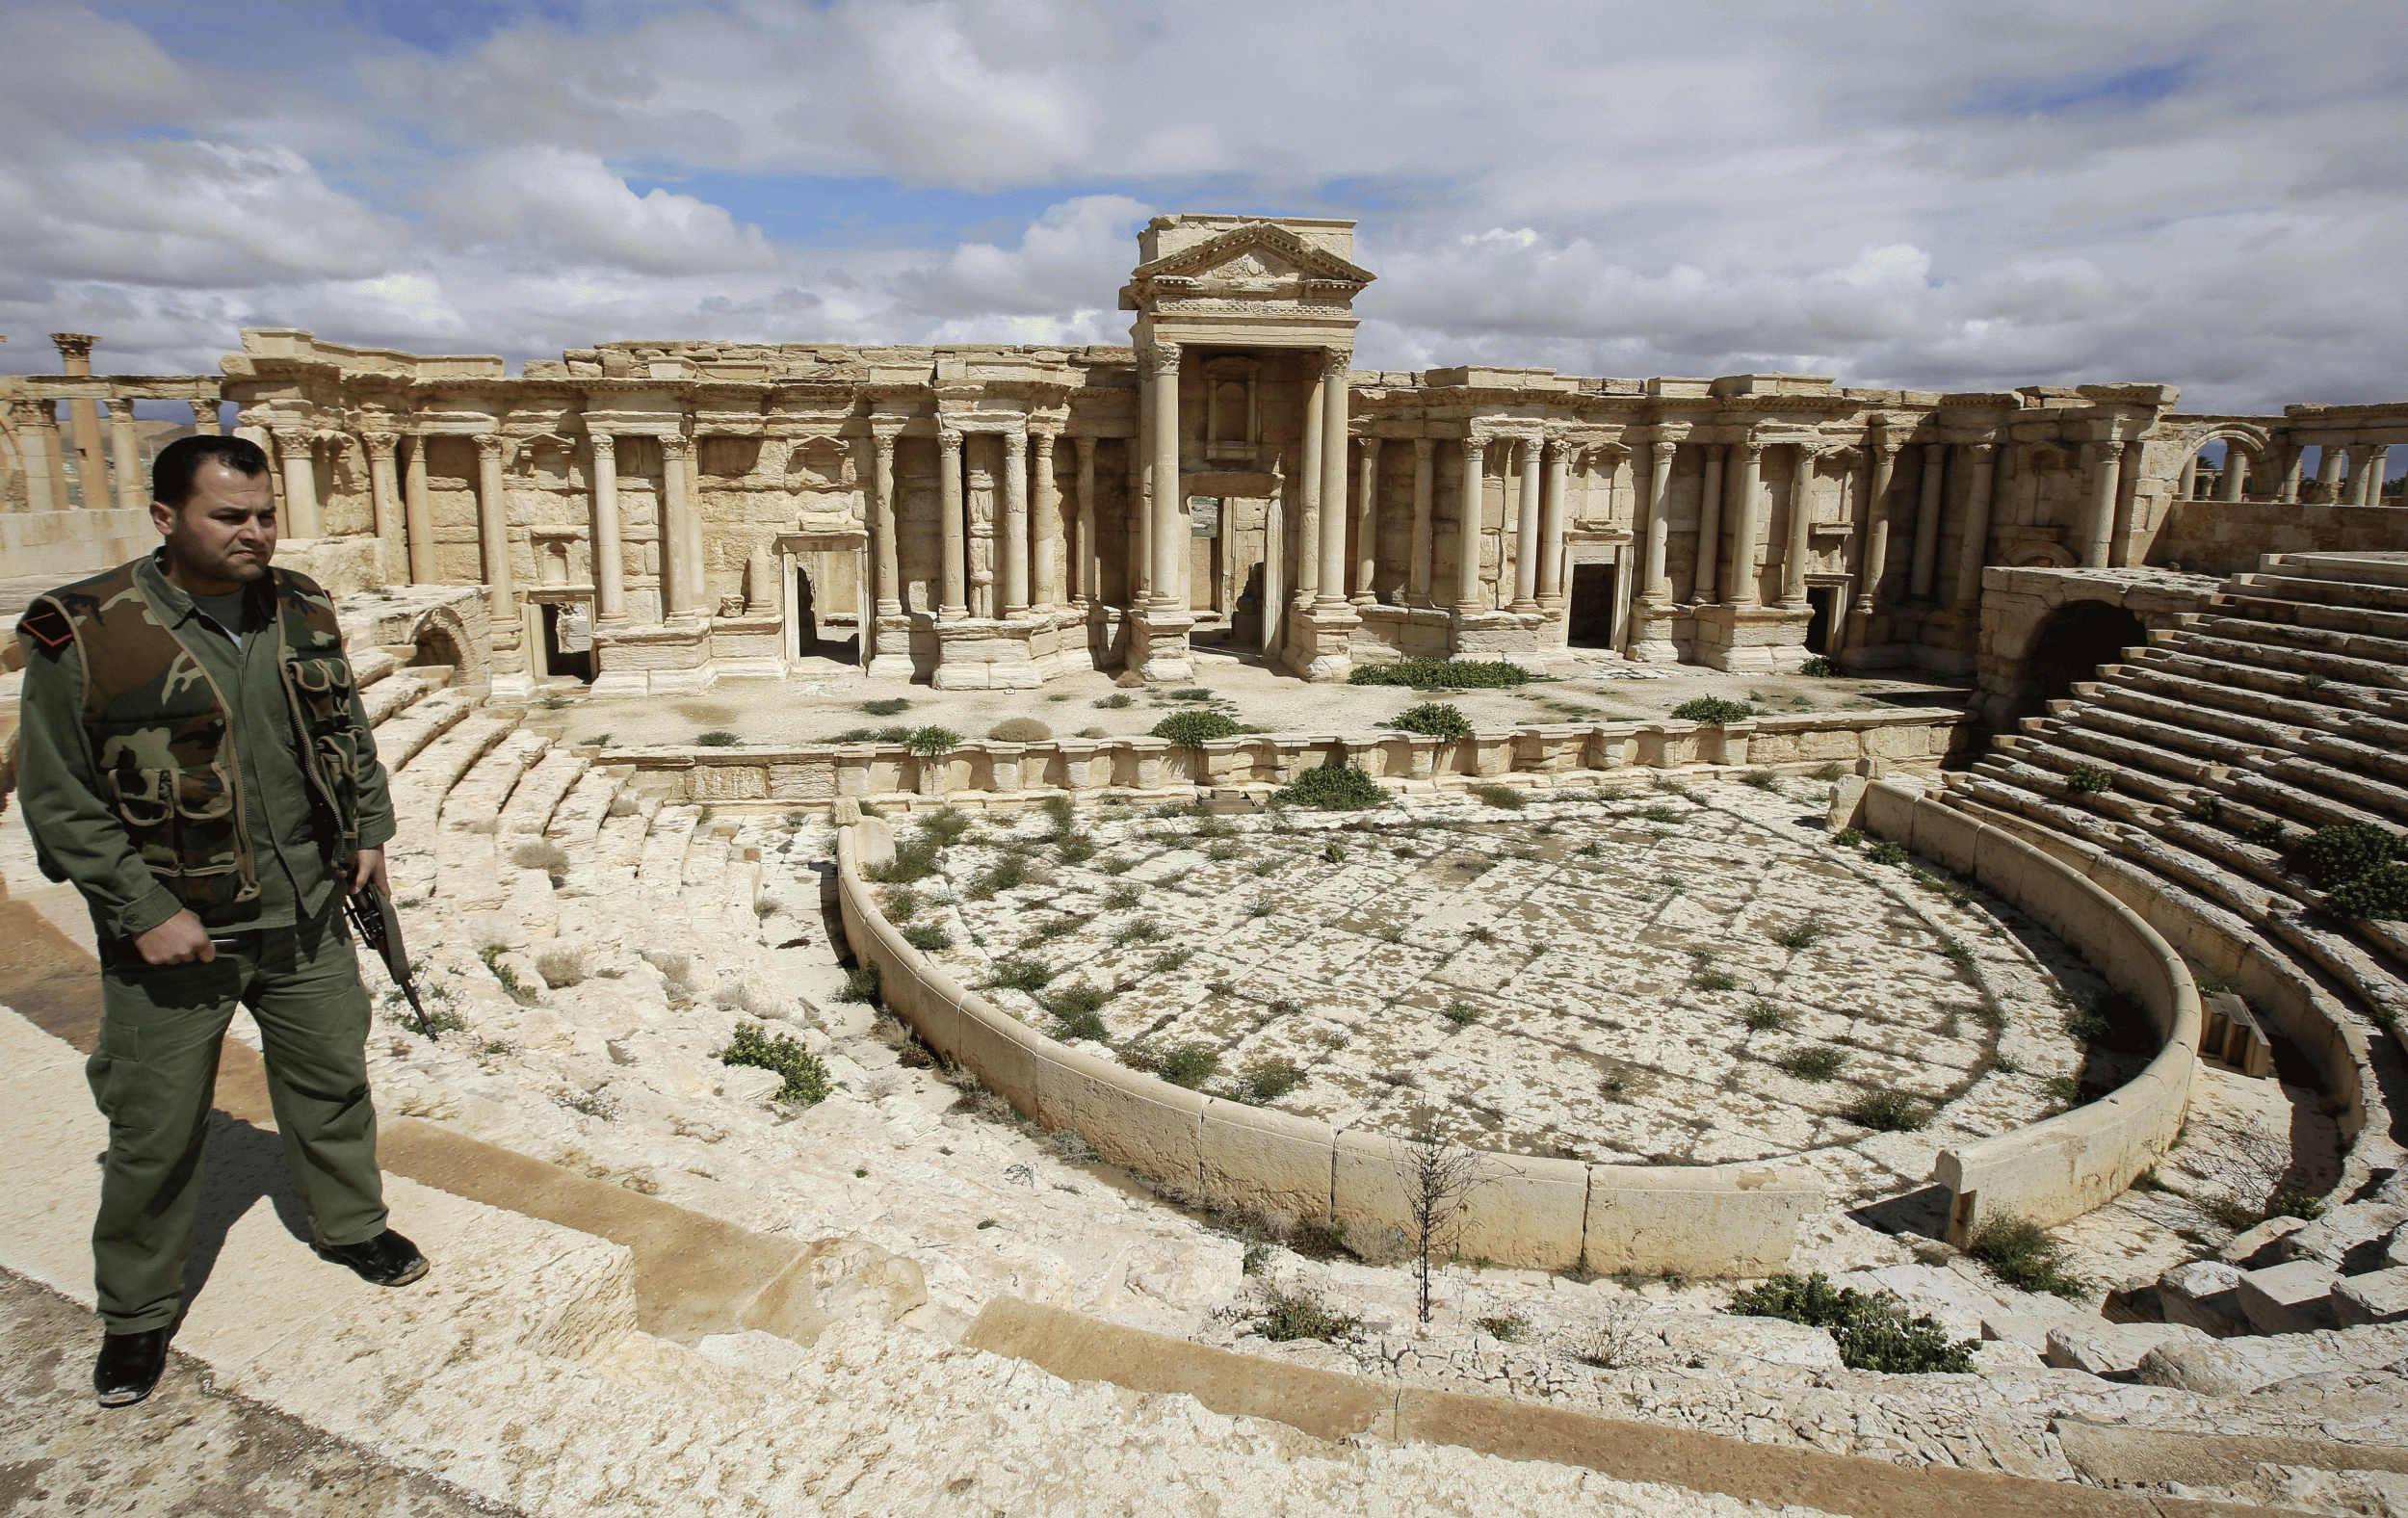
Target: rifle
[371,912]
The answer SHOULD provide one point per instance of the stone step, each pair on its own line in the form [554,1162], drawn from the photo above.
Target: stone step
[660,866]
[400,741]
[2301,701]
[2051,785]
[419,790]
[2335,670]
[619,844]
[2129,780]
[389,698]
[2372,570]
[2357,619]
[2377,797]
[576,823]
[2385,763]
[370,664]
[2314,589]
[2280,722]
[541,791]
[2283,798]
[2109,744]
[2388,651]
[2097,718]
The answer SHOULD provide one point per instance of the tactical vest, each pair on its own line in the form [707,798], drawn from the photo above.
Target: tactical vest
[162,738]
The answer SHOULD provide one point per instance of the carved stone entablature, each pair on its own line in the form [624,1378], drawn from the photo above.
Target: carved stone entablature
[1254,266]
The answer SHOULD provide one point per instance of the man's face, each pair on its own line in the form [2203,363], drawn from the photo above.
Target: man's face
[224,536]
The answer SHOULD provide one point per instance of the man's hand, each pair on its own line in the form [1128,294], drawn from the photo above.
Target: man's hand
[179,940]
[371,866]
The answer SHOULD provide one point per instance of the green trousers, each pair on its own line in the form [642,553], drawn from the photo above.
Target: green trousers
[154,1075]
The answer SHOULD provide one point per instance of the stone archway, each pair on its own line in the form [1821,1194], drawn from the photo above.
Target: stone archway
[441,639]
[2076,638]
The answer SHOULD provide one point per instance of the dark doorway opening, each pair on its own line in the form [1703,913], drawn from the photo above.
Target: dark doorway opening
[560,659]
[435,648]
[808,643]
[1591,622]
[2075,641]
[1822,598]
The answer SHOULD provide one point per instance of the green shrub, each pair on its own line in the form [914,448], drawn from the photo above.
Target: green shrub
[928,936]
[1145,931]
[1504,796]
[2089,779]
[1075,849]
[902,905]
[1763,780]
[1713,710]
[1707,979]
[1443,674]
[806,1079]
[1820,667]
[1801,934]
[1887,1111]
[716,737]
[1269,1079]
[1019,730]
[886,706]
[1848,838]
[1170,959]
[1461,1013]
[1188,729]
[2206,806]
[1062,813]
[933,742]
[1333,788]
[2269,834]
[1764,1017]
[2020,1253]
[860,984]
[2381,894]
[1022,974]
[1187,1064]
[2331,857]
[1817,1063]
[912,861]
[1284,1316]
[1433,720]
[1116,701]
[945,826]
[1507,1329]
[2305,1206]
[1006,874]
[1873,1332]
[1887,853]
[2064,1091]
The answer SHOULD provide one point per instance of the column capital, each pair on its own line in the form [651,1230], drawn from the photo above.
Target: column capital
[73,345]
[489,445]
[949,438]
[1163,358]
[204,412]
[1475,444]
[379,445]
[1016,444]
[1807,446]
[1752,445]
[1045,441]
[120,407]
[886,429]
[603,444]
[674,445]
[1422,447]
[1886,447]
[30,414]
[1371,445]
[1336,362]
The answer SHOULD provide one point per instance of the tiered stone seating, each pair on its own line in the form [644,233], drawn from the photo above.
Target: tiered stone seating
[2286,703]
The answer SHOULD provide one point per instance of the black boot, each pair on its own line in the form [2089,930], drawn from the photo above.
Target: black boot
[387,1260]
[129,1366]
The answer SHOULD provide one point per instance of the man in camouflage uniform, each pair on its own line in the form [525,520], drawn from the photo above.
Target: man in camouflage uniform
[194,758]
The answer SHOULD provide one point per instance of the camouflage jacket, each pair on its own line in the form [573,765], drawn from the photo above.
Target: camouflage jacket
[148,811]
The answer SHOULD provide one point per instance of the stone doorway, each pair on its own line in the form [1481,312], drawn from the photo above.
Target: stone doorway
[1824,599]
[808,643]
[567,641]
[1591,624]
[2080,637]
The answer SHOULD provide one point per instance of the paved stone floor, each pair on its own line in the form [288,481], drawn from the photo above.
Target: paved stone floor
[821,701]
[1642,972]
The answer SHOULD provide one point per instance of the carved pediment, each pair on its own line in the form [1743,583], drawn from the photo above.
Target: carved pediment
[1251,265]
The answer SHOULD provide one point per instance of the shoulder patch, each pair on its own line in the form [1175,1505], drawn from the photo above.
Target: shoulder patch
[47,626]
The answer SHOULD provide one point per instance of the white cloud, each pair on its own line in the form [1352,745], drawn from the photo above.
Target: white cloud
[566,205]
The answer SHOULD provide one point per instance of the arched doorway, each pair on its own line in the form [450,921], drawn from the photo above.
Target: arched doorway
[2074,641]
[435,647]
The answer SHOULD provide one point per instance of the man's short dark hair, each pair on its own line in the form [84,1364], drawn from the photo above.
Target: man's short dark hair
[171,472]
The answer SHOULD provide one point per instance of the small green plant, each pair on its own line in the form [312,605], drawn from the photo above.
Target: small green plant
[1078,1013]
[1062,813]
[1284,1316]
[1116,701]
[1121,898]
[1267,1081]
[1765,1018]
[1503,797]
[1872,1332]
[1141,931]
[2063,1091]
[2089,779]
[519,991]
[1333,788]
[716,737]
[1187,1064]
[933,742]
[1461,1013]
[1022,974]
[1804,934]
[2231,1213]
[1262,906]
[1887,853]
[1819,1064]
[2305,1206]
[1170,959]
[926,937]
[1820,667]
[860,984]
[886,706]
[1009,872]
[2206,806]
[1712,710]
[1887,1111]
[1265,867]
[1848,838]
[805,1077]
[1443,674]
[1223,851]
[1115,865]
[1763,780]
[1707,979]
[1511,1328]
[1433,720]
[1192,729]
[2267,835]
[2020,1253]
[1076,849]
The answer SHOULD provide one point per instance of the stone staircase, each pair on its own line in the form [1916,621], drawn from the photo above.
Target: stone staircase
[2184,772]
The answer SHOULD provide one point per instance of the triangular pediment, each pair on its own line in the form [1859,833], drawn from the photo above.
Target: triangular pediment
[1255,251]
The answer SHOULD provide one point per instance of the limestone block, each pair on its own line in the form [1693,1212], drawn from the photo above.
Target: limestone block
[2108,1348]
[1132,1119]
[741,1082]
[1706,1222]
[727,782]
[2348,1238]
[2292,1297]
[1520,1208]
[2206,1294]
[2249,1243]
[2395,1249]
[2378,1298]
[2235,1367]
[810,780]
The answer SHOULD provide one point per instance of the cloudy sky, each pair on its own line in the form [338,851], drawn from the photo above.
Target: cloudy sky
[1946,196]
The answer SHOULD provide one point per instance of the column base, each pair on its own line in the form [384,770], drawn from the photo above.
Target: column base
[1158,644]
[653,660]
[984,654]
[751,644]
[1752,640]
[1319,644]
[1651,634]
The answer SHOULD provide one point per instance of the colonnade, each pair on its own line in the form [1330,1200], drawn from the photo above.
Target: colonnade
[2348,474]
[113,475]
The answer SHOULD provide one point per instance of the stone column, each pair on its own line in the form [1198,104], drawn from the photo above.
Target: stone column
[2104,462]
[205,423]
[1014,578]
[1552,506]
[1711,489]
[1418,579]
[1331,591]
[1927,521]
[383,502]
[681,587]
[609,554]
[2127,503]
[1467,597]
[1046,535]
[1980,464]
[417,513]
[1140,512]
[1876,565]
[2288,491]
[126,457]
[2236,473]
[2189,489]
[1802,527]
[1741,582]
[36,443]
[295,446]
[1088,579]
[54,447]
[1308,541]
[1656,469]
[493,523]
[75,358]
[2330,459]
[2366,473]
[888,593]
[1525,531]
[1169,545]
[1367,525]
[954,592]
